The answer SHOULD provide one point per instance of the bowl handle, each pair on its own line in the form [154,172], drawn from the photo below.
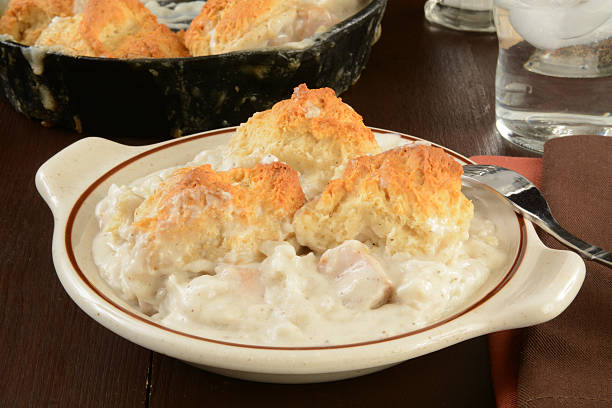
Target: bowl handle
[62,178]
[550,283]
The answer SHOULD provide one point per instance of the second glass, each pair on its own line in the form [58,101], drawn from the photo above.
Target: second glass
[464,15]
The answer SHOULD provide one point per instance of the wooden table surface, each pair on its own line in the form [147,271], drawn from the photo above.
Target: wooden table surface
[423,80]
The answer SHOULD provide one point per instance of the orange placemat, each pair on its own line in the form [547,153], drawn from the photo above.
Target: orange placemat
[504,347]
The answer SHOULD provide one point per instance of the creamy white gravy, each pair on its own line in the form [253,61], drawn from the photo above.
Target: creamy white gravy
[285,300]
[176,16]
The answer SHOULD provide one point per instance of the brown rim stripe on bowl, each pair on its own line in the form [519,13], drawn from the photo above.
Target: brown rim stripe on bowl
[77,205]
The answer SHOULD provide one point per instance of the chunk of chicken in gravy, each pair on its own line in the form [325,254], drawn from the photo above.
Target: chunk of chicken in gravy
[358,278]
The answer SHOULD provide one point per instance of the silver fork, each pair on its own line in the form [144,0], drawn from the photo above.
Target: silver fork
[527,200]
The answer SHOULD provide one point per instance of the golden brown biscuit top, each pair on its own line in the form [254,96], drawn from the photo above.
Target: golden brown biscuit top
[52,7]
[407,200]
[314,132]
[232,17]
[107,28]
[267,190]
[314,114]
[419,176]
[25,19]
[63,35]
[323,115]
[226,20]
[127,29]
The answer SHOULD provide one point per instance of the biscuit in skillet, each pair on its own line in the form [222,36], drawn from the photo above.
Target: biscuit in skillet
[232,25]
[63,35]
[113,29]
[24,20]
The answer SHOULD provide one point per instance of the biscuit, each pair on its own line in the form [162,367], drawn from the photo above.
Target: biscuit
[78,6]
[314,132]
[232,25]
[198,213]
[127,29]
[24,20]
[407,199]
[63,35]
[113,29]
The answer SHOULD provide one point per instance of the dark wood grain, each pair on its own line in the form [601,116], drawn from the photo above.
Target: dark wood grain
[53,354]
[430,82]
[454,377]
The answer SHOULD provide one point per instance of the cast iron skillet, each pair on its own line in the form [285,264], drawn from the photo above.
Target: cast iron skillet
[179,96]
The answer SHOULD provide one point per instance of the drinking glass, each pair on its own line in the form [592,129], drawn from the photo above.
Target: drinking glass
[554,69]
[465,15]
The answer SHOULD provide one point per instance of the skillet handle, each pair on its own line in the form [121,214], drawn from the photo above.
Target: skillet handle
[61,179]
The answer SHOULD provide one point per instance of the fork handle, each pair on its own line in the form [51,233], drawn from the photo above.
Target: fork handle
[588,251]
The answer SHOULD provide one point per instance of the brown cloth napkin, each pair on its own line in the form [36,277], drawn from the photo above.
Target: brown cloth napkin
[567,362]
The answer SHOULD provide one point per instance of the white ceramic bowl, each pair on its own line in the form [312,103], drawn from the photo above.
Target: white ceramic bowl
[535,285]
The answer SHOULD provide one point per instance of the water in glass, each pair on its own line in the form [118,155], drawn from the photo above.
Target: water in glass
[554,70]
